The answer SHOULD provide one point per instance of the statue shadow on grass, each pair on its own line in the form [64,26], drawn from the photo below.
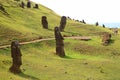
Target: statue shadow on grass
[50,29]
[68,57]
[27,76]
[111,41]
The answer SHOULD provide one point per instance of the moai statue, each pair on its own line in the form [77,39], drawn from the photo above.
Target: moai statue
[103,26]
[69,18]
[28,4]
[83,21]
[63,23]
[36,6]
[16,57]
[44,22]
[106,39]
[97,24]
[22,4]
[59,43]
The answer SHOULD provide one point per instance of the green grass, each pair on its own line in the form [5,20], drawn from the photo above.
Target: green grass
[25,24]
[84,60]
[41,63]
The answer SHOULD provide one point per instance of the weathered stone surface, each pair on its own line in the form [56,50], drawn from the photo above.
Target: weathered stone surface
[106,38]
[59,43]
[44,22]
[63,23]
[16,57]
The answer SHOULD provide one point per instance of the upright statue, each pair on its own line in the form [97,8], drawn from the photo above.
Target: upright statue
[63,23]
[22,4]
[44,22]
[28,4]
[16,57]
[59,43]
[97,24]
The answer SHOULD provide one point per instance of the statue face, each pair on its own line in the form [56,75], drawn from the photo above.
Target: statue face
[44,17]
[15,43]
[56,29]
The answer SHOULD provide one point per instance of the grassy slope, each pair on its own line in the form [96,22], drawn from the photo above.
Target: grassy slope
[40,63]
[85,60]
[25,24]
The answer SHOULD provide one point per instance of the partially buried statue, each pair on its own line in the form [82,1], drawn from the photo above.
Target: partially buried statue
[16,57]
[44,22]
[59,43]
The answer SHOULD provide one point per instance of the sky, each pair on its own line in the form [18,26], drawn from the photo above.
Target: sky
[103,11]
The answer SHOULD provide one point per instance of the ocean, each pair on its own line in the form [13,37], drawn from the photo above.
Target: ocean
[111,25]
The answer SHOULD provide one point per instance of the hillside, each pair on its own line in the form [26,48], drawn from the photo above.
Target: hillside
[25,24]
[84,60]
